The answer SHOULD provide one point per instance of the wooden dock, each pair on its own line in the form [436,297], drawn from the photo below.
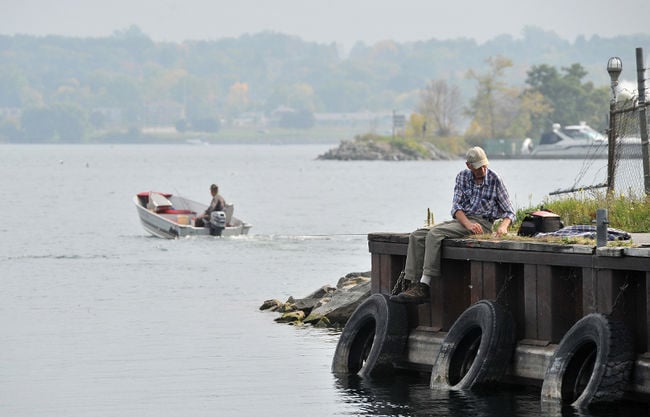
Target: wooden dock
[546,287]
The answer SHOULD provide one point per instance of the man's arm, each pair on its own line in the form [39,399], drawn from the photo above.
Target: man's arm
[506,207]
[475,228]
[210,209]
[503,226]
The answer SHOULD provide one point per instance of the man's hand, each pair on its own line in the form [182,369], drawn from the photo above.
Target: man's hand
[475,228]
[503,227]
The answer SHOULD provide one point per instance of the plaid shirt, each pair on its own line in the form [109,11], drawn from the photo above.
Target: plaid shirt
[489,199]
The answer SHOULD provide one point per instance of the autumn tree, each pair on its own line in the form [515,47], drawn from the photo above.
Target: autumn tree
[417,125]
[495,104]
[440,104]
[237,100]
[532,106]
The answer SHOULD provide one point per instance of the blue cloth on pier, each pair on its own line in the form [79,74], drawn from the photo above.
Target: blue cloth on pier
[587,231]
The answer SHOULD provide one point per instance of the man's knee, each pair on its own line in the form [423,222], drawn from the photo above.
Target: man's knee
[417,235]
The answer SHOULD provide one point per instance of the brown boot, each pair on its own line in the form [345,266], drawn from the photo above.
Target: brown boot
[418,293]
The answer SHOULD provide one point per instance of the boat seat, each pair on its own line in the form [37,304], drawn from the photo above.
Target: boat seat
[158,203]
[174,211]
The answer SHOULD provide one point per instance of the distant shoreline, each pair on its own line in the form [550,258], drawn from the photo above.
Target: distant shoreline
[224,136]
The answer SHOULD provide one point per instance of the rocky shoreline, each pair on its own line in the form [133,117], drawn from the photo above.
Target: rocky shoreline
[327,306]
[359,150]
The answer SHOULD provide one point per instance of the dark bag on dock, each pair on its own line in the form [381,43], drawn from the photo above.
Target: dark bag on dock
[540,221]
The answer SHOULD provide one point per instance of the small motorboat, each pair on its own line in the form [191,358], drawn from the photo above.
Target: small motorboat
[170,216]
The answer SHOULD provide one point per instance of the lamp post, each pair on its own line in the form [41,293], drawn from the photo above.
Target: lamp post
[614,68]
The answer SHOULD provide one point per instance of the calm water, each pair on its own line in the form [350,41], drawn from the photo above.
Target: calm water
[99,319]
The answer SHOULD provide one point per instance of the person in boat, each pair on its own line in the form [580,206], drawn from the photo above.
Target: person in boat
[217,204]
[480,199]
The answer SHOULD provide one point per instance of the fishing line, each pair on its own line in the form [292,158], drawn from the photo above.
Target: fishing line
[327,235]
[323,235]
[331,234]
[184,204]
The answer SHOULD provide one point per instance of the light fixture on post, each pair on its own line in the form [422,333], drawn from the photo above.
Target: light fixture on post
[614,68]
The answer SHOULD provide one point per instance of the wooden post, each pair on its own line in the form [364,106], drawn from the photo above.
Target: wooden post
[643,121]
[450,296]
[549,304]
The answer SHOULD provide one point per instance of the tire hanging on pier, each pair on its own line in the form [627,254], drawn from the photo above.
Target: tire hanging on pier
[373,338]
[592,363]
[477,349]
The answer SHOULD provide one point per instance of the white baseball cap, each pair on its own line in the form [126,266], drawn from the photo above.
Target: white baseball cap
[476,157]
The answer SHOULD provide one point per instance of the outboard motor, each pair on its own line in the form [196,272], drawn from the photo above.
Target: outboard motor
[217,222]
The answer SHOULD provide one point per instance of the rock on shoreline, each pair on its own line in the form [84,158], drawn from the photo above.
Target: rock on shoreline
[327,306]
[382,151]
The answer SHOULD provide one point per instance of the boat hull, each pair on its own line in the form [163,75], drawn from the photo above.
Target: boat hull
[570,152]
[600,151]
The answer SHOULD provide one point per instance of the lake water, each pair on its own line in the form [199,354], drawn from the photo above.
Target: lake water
[99,319]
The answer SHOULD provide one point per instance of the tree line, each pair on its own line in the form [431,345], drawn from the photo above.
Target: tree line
[502,111]
[57,88]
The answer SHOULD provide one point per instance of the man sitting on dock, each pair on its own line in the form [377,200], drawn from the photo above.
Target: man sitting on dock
[480,198]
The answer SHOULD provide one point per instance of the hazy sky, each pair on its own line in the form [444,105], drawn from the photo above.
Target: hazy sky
[326,21]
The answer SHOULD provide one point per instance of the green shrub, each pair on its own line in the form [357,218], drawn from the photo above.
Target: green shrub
[629,213]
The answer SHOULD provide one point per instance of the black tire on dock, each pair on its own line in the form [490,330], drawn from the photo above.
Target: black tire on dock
[373,338]
[477,349]
[592,363]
